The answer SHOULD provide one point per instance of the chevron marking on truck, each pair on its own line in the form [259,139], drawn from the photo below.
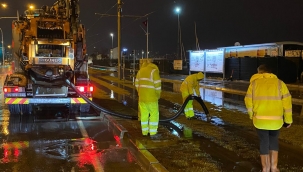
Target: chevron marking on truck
[79,101]
[13,145]
[16,101]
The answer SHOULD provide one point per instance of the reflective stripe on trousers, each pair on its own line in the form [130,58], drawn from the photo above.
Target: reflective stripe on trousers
[189,108]
[149,117]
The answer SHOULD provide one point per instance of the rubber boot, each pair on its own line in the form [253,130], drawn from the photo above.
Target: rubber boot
[265,161]
[274,161]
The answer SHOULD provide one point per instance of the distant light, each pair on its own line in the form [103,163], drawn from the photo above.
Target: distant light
[31,7]
[178,10]
[124,102]
[112,34]
[124,49]
[4,5]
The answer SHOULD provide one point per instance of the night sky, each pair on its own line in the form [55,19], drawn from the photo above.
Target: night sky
[219,22]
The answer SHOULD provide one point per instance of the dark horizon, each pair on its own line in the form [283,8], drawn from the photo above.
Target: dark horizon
[218,23]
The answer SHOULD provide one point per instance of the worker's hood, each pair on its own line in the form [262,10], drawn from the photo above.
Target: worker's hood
[262,75]
[200,75]
[144,64]
[153,66]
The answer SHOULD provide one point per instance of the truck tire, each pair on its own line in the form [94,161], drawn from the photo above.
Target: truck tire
[84,107]
[26,109]
[14,109]
[74,108]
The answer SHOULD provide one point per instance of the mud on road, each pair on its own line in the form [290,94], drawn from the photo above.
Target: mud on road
[227,142]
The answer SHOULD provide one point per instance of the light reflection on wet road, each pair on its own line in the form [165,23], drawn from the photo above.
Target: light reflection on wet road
[75,145]
[87,145]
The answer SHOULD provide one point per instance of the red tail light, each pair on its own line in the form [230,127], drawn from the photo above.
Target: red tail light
[83,89]
[11,89]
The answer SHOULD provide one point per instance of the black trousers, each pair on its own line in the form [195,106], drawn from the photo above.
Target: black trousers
[269,140]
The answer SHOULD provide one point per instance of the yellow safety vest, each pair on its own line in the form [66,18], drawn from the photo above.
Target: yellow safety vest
[191,83]
[268,102]
[148,83]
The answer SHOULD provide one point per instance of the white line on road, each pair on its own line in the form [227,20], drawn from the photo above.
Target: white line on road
[97,165]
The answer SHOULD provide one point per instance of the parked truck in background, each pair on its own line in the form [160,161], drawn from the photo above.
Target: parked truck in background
[49,48]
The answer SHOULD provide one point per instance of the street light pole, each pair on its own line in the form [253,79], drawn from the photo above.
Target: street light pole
[2,46]
[178,41]
[147,38]
[119,9]
[111,51]
[112,35]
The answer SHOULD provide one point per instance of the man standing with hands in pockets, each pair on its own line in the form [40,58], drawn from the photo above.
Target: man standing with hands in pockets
[269,105]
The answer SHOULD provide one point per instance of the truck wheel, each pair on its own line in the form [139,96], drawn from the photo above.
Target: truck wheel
[14,109]
[84,107]
[74,108]
[26,109]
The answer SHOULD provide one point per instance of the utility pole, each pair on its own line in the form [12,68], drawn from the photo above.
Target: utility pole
[134,62]
[147,38]
[119,9]
[178,42]
[2,48]
[17,17]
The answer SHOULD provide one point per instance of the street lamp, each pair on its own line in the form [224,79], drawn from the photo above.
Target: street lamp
[8,58]
[112,35]
[31,7]
[178,10]
[123,62]
[2,46]
[4,5]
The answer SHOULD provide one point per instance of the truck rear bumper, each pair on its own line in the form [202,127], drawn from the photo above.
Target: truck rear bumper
[45,101]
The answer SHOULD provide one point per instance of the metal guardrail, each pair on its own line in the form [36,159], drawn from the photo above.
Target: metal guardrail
[295,101]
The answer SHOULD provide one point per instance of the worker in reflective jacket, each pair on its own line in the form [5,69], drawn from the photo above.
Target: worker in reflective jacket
[148,85]
[144,64]
[268,103]
[190,86]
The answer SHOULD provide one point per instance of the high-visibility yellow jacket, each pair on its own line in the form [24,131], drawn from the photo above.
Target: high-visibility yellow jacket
[191,83]
[148,83]
[268,102]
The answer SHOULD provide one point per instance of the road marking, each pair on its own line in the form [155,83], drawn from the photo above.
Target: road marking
[96,163]
[82,128]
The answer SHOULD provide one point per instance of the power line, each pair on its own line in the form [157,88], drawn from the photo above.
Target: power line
[101,17]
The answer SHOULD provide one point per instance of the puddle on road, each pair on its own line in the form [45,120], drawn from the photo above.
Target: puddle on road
[68,154]
[44,146]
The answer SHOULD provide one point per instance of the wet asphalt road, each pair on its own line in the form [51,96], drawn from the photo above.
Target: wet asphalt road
[89,145]
[58,145]
[234,135]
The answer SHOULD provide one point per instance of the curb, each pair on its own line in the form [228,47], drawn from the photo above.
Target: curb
[137,149]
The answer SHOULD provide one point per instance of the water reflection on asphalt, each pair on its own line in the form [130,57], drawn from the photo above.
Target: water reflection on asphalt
[59,146]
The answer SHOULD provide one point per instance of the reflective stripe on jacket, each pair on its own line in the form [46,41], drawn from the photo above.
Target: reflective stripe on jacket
[268,102]
[148,83]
